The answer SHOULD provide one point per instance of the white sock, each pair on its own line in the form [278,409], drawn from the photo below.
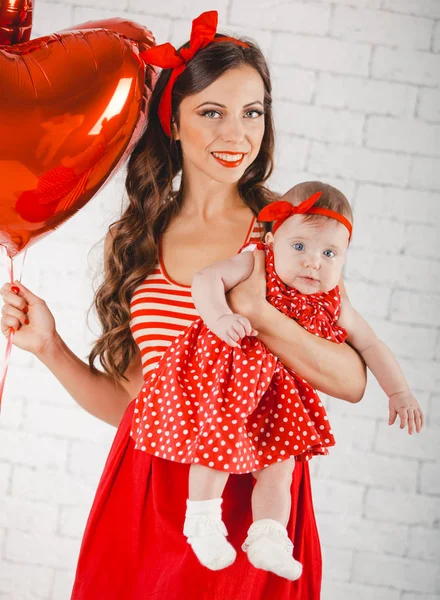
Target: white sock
[268,547]
[207,533]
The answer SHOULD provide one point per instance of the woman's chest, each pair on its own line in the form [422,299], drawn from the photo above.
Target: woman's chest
[183,252]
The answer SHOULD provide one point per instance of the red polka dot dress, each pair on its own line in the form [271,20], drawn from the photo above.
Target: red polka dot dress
[238,409]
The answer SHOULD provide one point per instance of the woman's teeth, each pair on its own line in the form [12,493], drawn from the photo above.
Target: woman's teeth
[228,157]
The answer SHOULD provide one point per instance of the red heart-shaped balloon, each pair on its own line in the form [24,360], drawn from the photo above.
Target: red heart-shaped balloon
[15,21]
[71,107]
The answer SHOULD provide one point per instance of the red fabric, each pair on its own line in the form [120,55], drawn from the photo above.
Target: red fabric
[134,549]
[280,210]
[238,409]
[166,56]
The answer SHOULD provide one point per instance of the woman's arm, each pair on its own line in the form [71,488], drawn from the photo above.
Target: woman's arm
[335,369]
[97,393]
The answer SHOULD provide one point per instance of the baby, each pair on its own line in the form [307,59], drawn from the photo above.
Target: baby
[220,400]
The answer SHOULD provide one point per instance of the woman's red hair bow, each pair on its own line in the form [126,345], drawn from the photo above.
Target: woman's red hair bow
[281,210]
[203,32]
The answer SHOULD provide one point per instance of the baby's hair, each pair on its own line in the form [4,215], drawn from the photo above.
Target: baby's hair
[331,198]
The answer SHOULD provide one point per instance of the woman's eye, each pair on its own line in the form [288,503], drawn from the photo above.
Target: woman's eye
[329,253]
[298,246]
[254,113]
[211,114]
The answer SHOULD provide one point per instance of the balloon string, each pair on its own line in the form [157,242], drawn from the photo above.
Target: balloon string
[4,369]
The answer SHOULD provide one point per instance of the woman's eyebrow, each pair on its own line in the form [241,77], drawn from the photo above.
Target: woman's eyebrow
[254,102]
[223,106]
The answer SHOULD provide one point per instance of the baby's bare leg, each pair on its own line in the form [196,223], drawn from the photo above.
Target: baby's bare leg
[267,544]
[206,483]
[271,496]
[204,526]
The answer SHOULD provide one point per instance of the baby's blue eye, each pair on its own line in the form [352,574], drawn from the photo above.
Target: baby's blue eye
[329,253]
[298,246]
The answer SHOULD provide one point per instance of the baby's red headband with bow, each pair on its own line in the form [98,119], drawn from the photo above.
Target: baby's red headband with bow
[281,210]
[166,56]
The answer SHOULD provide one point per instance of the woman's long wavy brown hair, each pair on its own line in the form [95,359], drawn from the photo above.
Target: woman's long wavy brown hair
[152,201]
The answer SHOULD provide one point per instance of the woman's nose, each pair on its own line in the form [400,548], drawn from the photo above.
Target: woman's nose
[233,130]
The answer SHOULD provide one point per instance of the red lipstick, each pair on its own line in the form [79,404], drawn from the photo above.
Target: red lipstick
[227,163]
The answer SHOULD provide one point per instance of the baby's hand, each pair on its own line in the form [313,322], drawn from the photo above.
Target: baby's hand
[406,406]
[231,328]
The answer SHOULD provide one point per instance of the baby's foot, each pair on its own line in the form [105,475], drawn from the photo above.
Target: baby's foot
[268,547]
[207,533]
[213,550]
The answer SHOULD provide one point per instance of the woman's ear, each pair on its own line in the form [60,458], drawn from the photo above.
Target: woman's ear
[268,238]
[175,129]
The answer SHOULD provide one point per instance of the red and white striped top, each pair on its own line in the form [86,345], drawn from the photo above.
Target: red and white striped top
[162,308]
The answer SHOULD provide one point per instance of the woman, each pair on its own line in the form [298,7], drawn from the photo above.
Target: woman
[213,123]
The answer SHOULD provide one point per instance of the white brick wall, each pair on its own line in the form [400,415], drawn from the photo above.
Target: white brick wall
[383,28]
[357,103]
[367,95]
[406,65]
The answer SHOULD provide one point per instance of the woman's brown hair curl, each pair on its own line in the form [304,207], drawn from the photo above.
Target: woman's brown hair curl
[152,201]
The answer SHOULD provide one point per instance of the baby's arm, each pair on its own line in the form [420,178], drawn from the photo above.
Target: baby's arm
[209,287]
[384,366]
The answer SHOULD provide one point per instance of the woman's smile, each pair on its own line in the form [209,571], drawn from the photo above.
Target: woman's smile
[229,159]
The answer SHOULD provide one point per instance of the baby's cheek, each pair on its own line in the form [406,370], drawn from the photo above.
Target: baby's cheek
[287,265]
[287,273]
[331,277]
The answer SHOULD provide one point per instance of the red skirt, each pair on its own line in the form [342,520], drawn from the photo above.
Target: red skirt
[134,548]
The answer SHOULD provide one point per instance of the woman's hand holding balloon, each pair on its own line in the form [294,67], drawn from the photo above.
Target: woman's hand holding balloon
[28,315]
